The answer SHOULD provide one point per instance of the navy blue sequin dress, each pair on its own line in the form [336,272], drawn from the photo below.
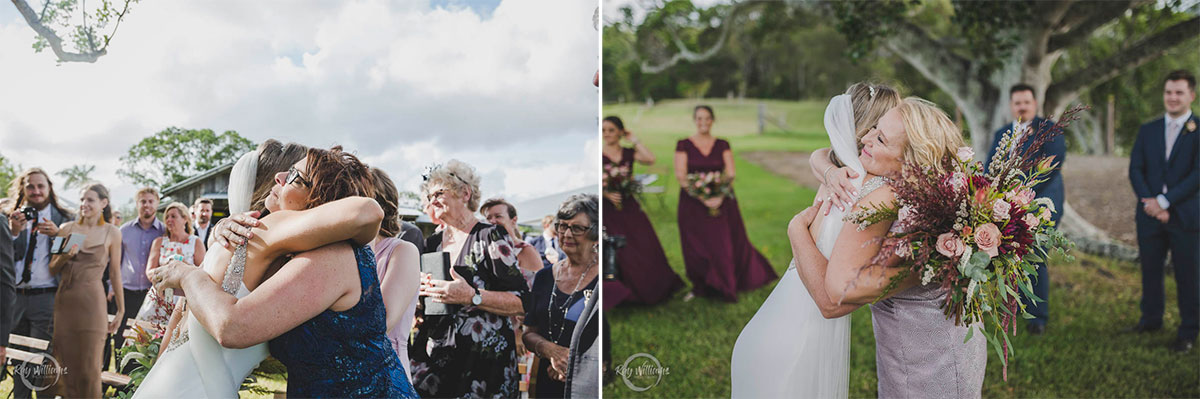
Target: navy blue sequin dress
[345,354]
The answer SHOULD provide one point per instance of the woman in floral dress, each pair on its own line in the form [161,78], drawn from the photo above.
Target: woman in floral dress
[472,352]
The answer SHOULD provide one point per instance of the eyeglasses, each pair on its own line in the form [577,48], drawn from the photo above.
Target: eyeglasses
[575,229]
[294,175]
[436,195]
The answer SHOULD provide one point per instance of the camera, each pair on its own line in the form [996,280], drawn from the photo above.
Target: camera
[30,214]
[612,243]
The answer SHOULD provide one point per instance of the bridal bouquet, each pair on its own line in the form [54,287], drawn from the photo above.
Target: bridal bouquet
[709,185]
[619,179]
[977,233]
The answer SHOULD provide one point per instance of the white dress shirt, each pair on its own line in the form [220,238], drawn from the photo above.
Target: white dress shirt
[39,275]
[1171,136]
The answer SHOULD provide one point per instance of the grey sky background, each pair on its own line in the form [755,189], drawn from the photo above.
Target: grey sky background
[503,85]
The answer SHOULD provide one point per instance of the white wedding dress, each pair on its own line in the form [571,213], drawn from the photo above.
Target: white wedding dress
[195,365]
[788,349]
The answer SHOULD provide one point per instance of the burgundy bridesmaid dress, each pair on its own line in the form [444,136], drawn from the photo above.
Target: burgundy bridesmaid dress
[645,276]
[719,257]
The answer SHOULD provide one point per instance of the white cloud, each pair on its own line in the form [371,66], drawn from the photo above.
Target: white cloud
[403,84]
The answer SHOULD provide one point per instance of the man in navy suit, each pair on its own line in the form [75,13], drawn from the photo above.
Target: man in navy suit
[1024,107]
[1164,169]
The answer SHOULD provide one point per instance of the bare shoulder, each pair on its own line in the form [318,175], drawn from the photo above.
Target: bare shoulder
[404,249]
[882,196]
[328,254]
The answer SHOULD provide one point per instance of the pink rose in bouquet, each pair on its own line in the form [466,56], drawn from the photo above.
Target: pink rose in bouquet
[987,238]
[1000,209]
[950,245]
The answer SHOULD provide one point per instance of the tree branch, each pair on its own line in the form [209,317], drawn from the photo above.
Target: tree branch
[1084,18]
[52,38]
[42,15]
[120,17]
[1131,57]
[949,71]
[686,54]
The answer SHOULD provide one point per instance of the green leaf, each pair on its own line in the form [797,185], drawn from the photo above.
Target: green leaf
[974,267]
[970,333]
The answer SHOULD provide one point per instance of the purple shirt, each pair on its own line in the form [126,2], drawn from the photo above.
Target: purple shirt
[135,251]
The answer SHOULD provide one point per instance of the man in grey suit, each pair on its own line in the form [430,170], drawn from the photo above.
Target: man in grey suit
[33,307]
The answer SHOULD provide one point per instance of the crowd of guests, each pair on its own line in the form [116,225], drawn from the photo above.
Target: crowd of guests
[514,297]
[1164,171]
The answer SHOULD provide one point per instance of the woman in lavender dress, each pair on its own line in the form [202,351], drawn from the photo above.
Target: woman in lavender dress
[718,255]
[399,265]
[919,352]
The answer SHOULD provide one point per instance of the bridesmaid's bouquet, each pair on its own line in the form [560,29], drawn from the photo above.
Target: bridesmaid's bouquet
[976,233]
[619,179]
[708,185]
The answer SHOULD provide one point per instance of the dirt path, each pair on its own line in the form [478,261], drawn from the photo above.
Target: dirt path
[1097,186]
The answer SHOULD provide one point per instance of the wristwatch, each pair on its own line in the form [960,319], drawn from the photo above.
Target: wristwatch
[478,298]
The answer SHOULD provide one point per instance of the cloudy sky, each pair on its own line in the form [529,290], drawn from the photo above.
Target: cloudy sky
[503,85]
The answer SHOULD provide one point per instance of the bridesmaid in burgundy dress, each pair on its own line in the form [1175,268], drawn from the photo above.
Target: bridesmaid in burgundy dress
[645,276]
[719,257]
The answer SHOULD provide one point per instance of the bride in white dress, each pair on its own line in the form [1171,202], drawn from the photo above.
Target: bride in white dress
[195,365]
[792,347]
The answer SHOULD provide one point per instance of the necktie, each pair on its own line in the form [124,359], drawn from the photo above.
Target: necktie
[25,274]
[1172,134]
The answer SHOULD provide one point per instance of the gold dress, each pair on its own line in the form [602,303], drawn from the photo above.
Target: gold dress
[80,319]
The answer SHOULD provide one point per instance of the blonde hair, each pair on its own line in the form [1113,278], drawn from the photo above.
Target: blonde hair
[931,133]
[455,175]
[869,101]
[148,190]
[183,212]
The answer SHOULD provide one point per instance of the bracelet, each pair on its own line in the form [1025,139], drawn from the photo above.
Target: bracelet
[826,174]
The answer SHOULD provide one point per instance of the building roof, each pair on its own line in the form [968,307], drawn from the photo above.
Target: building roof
[197,178]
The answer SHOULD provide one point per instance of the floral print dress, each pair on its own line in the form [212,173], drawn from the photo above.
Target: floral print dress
[472,353]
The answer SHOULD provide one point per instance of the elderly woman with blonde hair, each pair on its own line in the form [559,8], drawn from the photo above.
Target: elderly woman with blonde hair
[912,334]
[471,352]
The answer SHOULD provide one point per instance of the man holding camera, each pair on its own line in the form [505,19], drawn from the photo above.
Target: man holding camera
[33,221]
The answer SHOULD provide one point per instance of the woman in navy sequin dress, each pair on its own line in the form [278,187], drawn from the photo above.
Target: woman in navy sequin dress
[322,310]
[346,353]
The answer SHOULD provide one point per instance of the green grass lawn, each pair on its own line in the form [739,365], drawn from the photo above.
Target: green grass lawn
[1081,355]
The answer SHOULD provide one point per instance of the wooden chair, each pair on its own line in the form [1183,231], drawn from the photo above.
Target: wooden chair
[28,342]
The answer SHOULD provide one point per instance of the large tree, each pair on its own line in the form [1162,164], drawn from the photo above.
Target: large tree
[991,46]
[972,51]
[88,31]
[174,154]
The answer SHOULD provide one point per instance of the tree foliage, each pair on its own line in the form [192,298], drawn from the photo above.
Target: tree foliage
[73,31]
[76,176]
[963,55]
[174,154]
[8,172]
